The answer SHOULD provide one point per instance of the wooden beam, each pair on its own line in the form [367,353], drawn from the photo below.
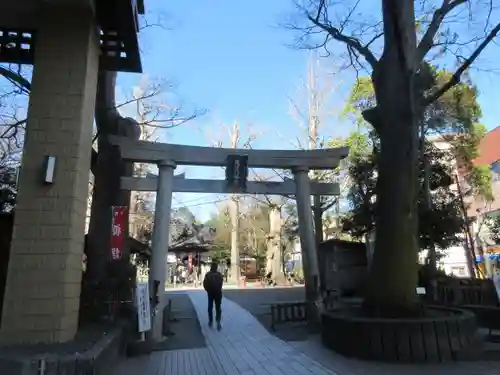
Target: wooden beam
[183,185]
[153,152]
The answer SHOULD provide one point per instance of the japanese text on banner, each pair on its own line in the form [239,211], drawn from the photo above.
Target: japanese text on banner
[118,232]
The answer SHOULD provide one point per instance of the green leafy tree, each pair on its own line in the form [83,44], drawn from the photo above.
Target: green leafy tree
[425,105]
[254,229]
[440,226]
[453,117]
[494,229]
[221,222]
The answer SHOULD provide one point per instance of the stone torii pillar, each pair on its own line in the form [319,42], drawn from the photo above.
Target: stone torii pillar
[160,243]
[306,234]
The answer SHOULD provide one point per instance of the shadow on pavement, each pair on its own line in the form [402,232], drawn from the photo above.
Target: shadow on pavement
[185,326]
[257,301]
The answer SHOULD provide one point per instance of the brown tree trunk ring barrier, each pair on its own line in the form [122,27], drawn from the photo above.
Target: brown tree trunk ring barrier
[426,339]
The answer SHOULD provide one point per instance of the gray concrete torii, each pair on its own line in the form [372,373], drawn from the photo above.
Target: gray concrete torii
[168,156]
[181,184]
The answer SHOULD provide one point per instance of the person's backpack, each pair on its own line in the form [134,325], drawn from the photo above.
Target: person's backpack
[213,282]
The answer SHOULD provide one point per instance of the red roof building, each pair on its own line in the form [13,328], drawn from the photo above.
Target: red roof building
[489,154]
[489,148]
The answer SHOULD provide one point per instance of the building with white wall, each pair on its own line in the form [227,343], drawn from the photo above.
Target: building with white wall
[454,261]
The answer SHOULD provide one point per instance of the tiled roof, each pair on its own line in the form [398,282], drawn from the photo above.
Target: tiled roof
[489,148]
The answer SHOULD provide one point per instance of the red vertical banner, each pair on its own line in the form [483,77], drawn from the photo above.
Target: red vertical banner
[190,262]
[118,231]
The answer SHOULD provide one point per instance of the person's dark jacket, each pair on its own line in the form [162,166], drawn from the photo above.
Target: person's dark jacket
[213,282]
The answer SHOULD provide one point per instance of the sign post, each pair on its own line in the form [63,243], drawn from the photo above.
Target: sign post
[237,172]
[118,231]
[143,308]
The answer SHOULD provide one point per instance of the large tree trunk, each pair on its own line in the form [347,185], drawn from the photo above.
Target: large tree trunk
[393,274]
[108,170]
[274,252]
[234,207]
[318,219]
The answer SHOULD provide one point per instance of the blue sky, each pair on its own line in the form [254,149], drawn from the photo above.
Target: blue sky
[232,58]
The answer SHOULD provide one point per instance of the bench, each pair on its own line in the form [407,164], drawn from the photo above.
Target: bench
[288,312]
[296,312]
[478,297]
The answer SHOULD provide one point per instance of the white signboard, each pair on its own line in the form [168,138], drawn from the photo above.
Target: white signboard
[171,258]
[143,307]
[421,291]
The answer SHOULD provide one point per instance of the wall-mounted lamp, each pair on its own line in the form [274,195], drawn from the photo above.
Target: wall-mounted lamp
[50,167]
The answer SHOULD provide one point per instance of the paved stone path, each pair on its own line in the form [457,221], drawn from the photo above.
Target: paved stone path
[245,347]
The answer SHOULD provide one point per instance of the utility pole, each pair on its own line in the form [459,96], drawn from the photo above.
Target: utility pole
[234,213]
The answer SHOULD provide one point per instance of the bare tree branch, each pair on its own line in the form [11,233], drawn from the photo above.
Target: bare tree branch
[455,79]
[16,79]
[427,41]
[335,33]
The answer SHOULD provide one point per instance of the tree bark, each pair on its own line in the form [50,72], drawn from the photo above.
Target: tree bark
[318,219]
[393,274]
[234,212]
[274,252]
[108,170]
[234,207]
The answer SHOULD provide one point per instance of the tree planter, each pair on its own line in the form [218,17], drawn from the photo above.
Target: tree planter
[426,339]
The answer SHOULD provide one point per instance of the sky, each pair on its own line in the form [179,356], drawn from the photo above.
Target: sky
[234,60]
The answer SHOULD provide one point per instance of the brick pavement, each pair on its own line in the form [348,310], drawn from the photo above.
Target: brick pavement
[245,347]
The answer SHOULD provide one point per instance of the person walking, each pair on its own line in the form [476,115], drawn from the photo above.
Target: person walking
[212,283]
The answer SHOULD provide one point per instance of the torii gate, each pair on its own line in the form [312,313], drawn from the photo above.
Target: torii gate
[237,161]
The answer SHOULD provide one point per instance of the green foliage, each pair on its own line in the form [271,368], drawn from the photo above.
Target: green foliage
[361,218]
[457,113]
[481,181]
[222,240]
[359,145]
[494,229]
[254,228]
[454,116]
[361,98]
[440,226]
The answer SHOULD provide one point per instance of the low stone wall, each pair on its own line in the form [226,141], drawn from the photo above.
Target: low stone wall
[427,339]
[98,360]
